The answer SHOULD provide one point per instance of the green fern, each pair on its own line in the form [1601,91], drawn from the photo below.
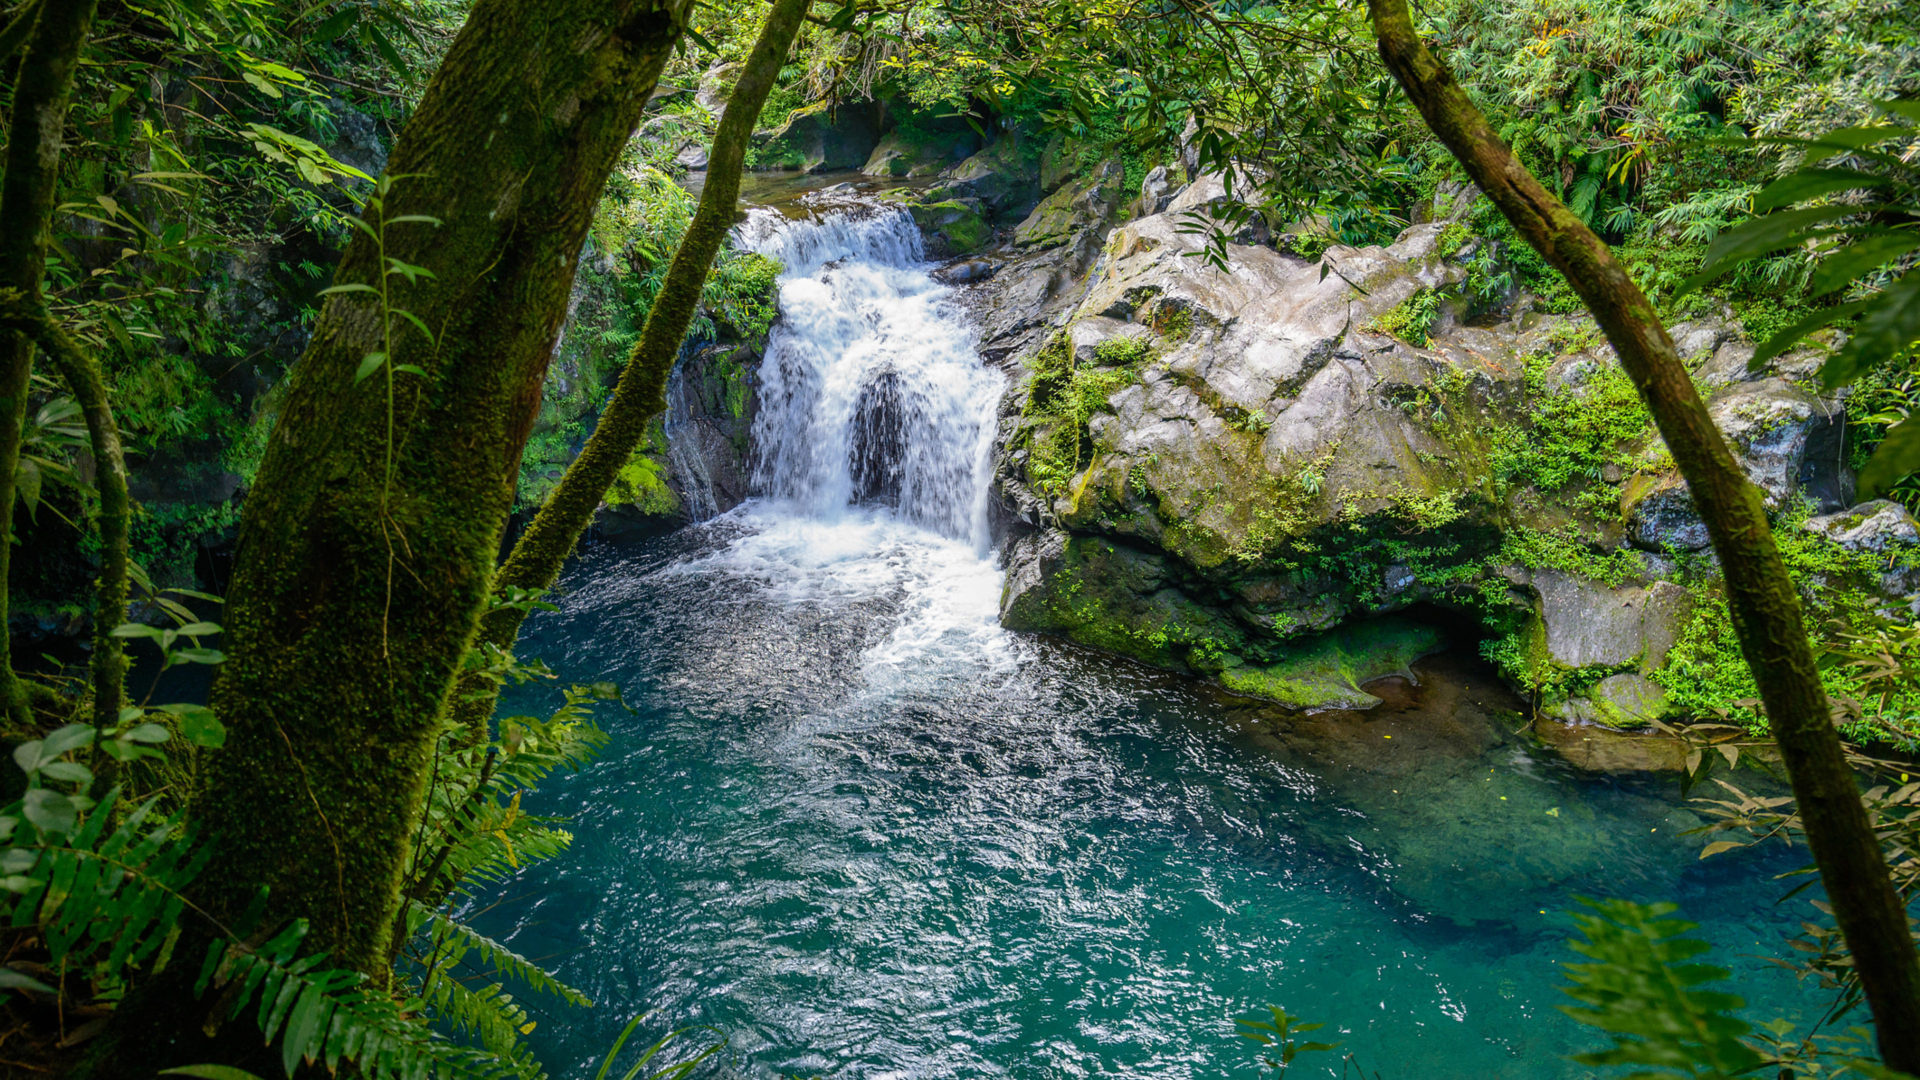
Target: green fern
[453,941]
[1641,990]
[326,1016]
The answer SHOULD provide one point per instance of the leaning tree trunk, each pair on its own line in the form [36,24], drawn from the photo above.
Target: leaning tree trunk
[1766,609]
[27,194]
[83,377]
[370,534]
[542,550]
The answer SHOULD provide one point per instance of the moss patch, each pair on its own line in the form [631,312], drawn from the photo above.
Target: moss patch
[1328,671]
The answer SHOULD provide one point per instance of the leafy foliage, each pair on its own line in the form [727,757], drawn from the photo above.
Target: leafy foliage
[1642,990]
[1853,205]
[1277,1035]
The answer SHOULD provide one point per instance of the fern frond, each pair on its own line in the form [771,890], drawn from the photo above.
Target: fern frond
[455,941]
[325,1016]
[100,894]
[489,1016]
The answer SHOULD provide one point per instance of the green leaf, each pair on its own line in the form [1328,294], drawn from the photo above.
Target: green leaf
[199,656]
[65,740]
[1757,237]
[1897,457]
[421,218]
[368,366]
[1857,259]
[354,288]
[334,25]
[1908,109]
[50,811]
[1888,326]
[150,733]
[198,725]
[67,772]
[1803,184]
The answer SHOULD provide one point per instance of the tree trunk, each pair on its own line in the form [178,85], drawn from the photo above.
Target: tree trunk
[1766,609]
[26,208]
[89,388]
[369,538]
[542,550]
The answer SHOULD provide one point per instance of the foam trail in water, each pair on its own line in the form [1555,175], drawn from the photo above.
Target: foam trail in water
[871,391]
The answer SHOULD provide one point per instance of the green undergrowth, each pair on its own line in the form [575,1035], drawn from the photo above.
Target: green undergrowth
[1063,393]
[1706,673]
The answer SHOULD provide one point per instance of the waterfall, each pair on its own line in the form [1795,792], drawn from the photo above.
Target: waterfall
[872,391]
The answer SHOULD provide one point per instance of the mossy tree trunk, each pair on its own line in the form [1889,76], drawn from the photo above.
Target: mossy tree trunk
[1766,609]
[82,375]
[542,550]
[34,143]
[363,564]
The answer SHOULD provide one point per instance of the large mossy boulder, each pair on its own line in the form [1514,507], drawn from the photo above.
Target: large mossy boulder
[1235,465]
[921,147]
[1004,177]
[823,136]
[1082,203]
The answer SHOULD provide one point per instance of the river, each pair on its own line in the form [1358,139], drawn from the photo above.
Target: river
[864,832]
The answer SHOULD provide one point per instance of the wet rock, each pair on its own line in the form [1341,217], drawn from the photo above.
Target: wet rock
[1786,438]
[1003,177]
[1601,749]
[1156,192]
[1590,624]
[1328,671]
[825,136]
[1625,701]
[1661,516]
[1076,207]
[920,153]
[965,272]
[1880,526]
[716,85]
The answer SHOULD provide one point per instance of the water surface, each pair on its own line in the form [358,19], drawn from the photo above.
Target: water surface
[867,833]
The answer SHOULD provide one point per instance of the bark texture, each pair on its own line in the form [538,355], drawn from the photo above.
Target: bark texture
[1766,609]
[356,589]
[27,194]
[542,550]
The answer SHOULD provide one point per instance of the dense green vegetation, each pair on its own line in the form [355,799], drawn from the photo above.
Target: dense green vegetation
[221,158]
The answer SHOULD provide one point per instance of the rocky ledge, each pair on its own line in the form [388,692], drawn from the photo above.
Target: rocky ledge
[1266,473]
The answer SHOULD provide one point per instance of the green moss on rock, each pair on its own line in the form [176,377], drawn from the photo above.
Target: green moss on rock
[1328,670]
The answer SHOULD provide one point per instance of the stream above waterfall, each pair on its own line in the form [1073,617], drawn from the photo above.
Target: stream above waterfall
[862,831]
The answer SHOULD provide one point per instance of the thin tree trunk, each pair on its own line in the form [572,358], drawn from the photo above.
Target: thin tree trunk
[26,209]
[1766,609]
[542,550]
[368,541]
[89,388]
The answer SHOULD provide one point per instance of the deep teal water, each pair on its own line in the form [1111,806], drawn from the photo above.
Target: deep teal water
[865,833]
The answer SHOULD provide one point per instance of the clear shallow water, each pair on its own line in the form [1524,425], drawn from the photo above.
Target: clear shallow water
[865,832]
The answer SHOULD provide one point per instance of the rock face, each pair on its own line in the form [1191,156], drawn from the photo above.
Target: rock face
[824,136]
[1256,473]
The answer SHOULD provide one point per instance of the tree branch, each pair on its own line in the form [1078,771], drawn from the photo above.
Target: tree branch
[542,550]
[1766,608]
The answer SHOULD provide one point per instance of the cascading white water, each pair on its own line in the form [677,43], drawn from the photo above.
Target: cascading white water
[871,390]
